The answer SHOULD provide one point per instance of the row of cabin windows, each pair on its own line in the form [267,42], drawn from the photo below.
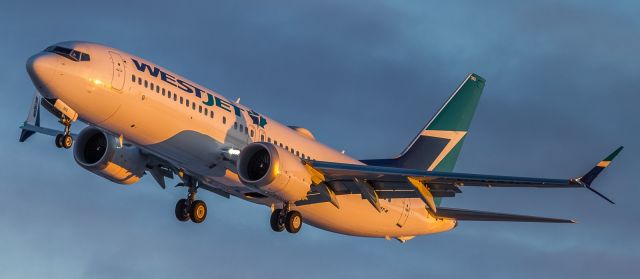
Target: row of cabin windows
[172,96]
[206,111]
[243,129]
[286,147]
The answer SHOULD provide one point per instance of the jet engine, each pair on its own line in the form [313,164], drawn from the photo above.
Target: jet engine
[101,153]
[274,170]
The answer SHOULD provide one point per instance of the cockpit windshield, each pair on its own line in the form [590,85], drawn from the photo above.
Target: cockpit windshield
[69,53]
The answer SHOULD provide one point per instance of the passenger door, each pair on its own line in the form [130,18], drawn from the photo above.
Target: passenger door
[117,80]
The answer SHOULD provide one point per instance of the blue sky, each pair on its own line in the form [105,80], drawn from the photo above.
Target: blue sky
[364,76]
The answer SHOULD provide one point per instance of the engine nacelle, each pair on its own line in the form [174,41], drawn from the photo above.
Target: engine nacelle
[101,153]
[274,170]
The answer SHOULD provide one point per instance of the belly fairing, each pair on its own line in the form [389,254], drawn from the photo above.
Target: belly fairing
[357,217]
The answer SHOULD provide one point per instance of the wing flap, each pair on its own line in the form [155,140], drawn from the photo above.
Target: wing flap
[475,215]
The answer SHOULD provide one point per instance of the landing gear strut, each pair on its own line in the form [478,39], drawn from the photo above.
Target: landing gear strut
[65,140]
[286,218]
[190,208]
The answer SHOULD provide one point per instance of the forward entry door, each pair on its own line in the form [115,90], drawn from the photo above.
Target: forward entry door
[117,81]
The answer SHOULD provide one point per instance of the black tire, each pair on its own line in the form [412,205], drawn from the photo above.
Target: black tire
[198,211]
[59,141]
[182,214]
[293,221]
[67,141]
[277,224]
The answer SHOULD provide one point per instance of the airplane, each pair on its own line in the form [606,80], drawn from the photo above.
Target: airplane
[144,119]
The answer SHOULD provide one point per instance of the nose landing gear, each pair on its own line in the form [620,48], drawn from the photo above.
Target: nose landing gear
[65,140]
[286,218]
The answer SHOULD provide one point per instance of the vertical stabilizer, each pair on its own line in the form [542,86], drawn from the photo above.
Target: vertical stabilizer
[33,118]
[437,146]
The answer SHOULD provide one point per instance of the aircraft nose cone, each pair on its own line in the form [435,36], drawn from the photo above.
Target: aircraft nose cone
[42,69]
[42,66]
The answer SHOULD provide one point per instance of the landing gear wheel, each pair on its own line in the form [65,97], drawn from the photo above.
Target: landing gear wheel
[198,211]
[181,210]
[59,140]
[293,221]
[66,141]
[277,224]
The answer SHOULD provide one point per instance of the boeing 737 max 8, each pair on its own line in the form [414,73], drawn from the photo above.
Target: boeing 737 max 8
[143,118]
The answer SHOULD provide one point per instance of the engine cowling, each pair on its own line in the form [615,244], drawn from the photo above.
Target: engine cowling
[270,168]
[101,153]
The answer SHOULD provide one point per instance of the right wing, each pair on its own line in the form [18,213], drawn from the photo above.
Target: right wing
[378,182]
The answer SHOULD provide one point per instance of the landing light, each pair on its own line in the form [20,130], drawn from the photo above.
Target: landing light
[97,82]
[233,151]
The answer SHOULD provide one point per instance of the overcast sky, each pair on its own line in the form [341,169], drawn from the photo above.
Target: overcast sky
[364,76]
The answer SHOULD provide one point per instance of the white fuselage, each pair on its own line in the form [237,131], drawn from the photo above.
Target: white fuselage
[188,125]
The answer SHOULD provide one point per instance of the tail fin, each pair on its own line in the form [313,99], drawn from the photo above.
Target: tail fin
[33,118]
[438,144]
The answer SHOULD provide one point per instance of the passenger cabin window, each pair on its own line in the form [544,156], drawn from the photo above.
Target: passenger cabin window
[200,109]
[133,78]
[261,137]
[224,120]
[252,133]
[151,86]
[181,99]
[211,113]
[146,83]
[187,102]
[139,81]
[235,125]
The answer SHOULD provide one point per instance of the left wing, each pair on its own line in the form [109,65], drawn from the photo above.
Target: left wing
[375,182]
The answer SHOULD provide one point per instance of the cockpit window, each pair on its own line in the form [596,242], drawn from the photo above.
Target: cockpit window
[69,53]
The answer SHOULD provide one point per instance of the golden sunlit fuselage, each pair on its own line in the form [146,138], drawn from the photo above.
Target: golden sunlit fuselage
[154,112]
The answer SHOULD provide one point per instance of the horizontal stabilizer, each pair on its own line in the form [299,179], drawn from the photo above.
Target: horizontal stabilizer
[474,215]
[40,130]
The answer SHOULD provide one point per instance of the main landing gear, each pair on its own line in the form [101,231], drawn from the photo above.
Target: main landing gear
[286,219]
[65,140]
[190,208]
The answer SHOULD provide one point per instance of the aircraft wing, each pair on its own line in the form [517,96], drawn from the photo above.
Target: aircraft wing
[474,215]
[375,182]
